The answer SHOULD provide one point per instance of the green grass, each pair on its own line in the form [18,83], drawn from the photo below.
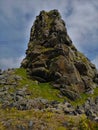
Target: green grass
[21,72]
[84,97]
[44,90]
[80,100]
[53,120]
[95,92]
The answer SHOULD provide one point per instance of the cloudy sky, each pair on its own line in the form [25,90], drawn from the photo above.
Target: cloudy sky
[17,17]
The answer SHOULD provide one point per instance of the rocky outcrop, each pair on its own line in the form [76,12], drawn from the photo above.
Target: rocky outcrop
[52,57]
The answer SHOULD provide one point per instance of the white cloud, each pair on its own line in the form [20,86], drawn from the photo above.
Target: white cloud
[95,61]
[83,23]
[10,62]
[81,17]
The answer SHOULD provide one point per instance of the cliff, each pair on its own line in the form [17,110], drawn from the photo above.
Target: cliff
[52,57]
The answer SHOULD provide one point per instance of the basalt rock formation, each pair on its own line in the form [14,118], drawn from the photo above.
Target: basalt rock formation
[52,57]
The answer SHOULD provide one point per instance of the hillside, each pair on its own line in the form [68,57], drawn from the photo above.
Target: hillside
[56,87]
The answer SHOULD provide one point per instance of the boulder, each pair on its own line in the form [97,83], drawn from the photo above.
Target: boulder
[96,100]
[70,94]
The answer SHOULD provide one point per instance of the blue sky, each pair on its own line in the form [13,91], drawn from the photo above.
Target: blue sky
[17,17]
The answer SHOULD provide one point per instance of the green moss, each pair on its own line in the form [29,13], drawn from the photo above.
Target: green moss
[84,97]
[43,50]
[44,90]
[81,57]
[95,92]
[21,72]
[61,128]
[81,100]
[86,124]
[15,118]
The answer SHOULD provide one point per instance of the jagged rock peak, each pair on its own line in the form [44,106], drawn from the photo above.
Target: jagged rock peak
[48,25]
[52,57]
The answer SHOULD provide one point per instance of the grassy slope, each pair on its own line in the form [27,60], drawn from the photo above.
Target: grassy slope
[84,97]
[44,90]
[54,121]
[16,119]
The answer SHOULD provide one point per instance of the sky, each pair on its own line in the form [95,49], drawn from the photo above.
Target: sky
[17,18]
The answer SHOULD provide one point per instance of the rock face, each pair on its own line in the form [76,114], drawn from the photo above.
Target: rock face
[52,57]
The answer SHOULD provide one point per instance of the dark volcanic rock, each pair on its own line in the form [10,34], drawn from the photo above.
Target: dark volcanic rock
[70,94]
[96,100]
[52,57]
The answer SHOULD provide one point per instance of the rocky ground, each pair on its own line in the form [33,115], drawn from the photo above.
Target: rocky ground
[17,101]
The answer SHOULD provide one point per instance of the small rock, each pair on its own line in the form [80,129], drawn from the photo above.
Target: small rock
[0,72]
[96,100]
[89,113]
[70,94]
[2,77]
[79,110]
[90,91]
[96,119]
[20,127]
[20,93]
[96,80]
[30,124]
[16,77]
[17,98]
[7,124]
[65,124]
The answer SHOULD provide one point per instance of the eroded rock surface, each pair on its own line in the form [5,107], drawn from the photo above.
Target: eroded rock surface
[52,57]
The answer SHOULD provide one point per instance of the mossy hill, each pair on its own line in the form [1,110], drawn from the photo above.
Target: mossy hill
[56,87]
